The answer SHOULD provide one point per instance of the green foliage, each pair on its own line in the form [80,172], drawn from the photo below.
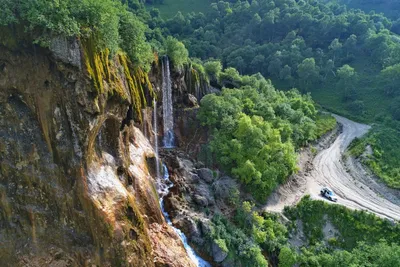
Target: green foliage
[230,76]
[381,254]
[385,158]
[263,228]
[168,8]
[325,123]
[348,59]
[256,129]
[213,68]
[299,44]
[307,71]
[240,247]
[390,79]
[106,23]
[176,52]
[133,40]
[249,235]
[101,20]
[49,17]
[7,15]
[353,226]
[287,257]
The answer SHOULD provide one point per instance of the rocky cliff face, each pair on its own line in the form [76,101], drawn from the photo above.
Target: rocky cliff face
[75,184]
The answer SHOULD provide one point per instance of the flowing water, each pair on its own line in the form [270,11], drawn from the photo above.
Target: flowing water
[163,186]
[168,115]
[156,138]
[163,182]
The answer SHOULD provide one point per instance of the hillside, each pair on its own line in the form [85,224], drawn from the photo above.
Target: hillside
[347,59]
[133,137]
[169,8]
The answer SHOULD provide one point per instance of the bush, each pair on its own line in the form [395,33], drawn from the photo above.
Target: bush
[133,40]
[176,51]
[287,257]
[213,69]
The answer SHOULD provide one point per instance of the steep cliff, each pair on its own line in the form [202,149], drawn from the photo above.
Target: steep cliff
[75,173]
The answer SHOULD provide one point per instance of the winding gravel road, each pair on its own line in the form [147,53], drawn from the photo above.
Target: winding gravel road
[355,189]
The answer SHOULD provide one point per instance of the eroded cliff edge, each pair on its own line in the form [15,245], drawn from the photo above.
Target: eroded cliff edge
[75,170]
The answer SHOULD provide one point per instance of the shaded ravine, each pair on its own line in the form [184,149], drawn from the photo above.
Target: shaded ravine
[353,189]
[163,186]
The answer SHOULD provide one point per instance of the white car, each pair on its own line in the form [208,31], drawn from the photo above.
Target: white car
[328,193]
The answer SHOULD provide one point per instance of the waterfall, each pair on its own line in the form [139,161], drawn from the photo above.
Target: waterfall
[163,186]
[168,116]
[156,138]
[163,182]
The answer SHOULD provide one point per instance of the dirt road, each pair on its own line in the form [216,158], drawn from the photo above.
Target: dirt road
[353,187]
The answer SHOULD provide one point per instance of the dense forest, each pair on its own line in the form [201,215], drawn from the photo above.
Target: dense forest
[347,60]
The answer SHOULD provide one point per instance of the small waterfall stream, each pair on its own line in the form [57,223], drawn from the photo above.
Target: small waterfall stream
[163,186]
[156,137]
[168,115]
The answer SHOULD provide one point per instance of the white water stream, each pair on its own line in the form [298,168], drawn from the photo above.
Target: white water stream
[168,116]
[163,186]
[163,182]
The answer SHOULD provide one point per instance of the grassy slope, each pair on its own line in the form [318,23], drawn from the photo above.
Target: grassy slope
[171,7]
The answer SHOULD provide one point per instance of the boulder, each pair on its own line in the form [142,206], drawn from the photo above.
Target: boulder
[224,187]
[194,178]
[187,225]
[200,200]
[206,174]
[190,101]
[203,196]
[219,254]
[66,50]
[205,226]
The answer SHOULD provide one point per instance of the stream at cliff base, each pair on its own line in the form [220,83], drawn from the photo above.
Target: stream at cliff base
[163,186]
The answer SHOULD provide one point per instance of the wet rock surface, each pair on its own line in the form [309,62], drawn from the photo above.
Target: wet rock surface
[195,198]
[75,187]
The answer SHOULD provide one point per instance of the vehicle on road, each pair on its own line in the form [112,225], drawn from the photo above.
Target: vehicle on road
[328,193]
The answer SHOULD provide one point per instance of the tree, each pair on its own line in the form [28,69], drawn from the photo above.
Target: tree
[275,67]
[176,51]
[213,68]
[286,73]
[346,75]
[335,46]
[133,40]
[390,79]
[307,71]
[100,20]
[350,44]
[329,68]
[287,257]
[7,15]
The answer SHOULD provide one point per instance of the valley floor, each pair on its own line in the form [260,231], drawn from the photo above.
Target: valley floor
[355,188]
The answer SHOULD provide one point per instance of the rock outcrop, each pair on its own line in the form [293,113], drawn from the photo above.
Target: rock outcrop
[198,194]
[75,187]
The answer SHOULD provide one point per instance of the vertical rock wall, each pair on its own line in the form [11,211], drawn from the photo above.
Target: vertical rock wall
[75,187]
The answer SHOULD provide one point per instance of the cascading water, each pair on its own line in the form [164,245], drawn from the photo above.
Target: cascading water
[156,138]
[168,116]
[164,183]
[163,186]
